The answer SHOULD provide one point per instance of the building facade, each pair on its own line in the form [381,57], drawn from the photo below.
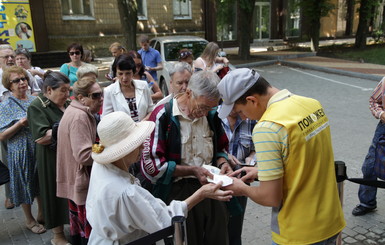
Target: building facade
[96,23]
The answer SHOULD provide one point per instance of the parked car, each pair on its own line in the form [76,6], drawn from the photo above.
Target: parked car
[168,47]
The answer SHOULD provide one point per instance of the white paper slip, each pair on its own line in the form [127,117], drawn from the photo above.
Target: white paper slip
[226,180]
[212,169]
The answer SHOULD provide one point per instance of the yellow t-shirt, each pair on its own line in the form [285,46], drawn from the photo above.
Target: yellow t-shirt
[297,134]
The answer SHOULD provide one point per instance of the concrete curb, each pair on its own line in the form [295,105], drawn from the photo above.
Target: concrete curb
[310,67]
[287,56]
[259,63]
[332,70]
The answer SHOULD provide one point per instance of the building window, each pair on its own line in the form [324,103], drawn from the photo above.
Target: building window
[182,9]
[77,9]
[142,9]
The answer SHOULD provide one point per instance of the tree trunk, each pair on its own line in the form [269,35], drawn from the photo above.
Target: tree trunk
[245,17]
[362,29]
[315,25]
[349,17]
[128,12]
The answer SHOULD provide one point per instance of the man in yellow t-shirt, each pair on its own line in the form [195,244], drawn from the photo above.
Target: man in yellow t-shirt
[295,162]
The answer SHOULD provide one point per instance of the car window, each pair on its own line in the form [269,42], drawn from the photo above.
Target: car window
[171,49]
[152,43]
[157,46]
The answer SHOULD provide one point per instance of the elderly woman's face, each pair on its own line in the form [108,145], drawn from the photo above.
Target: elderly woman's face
[19,83]
[23,61]
[94,99]
[59,95]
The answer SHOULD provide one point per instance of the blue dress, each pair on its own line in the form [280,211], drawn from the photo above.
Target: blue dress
[21,152]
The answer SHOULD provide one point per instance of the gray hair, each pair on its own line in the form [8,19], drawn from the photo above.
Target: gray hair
[86,69]
[24,52]
[5,46]
[143,38]
[204,83]
[180,67]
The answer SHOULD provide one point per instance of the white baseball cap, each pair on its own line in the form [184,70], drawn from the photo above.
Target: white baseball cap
[235,84]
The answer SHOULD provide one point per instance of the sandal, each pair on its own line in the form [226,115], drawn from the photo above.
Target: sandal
[36,228]
[8,204]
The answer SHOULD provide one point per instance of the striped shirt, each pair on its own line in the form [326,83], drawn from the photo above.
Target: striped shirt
[375,101]
[271,145]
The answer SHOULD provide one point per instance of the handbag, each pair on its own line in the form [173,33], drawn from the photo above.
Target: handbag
[4,173]
[379,162]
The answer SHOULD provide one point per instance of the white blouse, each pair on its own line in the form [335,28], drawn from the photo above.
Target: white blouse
[120,211]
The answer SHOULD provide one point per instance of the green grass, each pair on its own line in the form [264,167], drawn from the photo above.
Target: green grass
[374,54]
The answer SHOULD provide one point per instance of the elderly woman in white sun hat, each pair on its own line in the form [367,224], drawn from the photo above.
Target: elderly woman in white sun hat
[118,209]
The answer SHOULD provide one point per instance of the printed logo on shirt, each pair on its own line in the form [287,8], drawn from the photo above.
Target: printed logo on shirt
[313,124]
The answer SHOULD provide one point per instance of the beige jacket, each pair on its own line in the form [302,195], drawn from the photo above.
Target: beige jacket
[76,134]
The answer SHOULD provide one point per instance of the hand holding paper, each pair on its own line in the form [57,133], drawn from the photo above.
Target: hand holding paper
[226,180]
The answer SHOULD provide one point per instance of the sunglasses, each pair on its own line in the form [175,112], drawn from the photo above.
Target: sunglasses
[17,80]
[96,96]
[73,53]
[184,54]
[138,65]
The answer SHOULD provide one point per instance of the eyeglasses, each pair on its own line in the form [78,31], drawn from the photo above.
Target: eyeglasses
[202,109]
[17,80]
[7,57]
[95,96]
[73,53]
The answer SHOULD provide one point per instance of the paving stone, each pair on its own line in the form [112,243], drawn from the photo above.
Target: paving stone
[350,240]
[370,242]
[372,235]
[349,232]
[360,237]
[360,230]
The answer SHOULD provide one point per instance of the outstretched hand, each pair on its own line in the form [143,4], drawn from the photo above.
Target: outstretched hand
[247,174]
[202,174]
[213,191]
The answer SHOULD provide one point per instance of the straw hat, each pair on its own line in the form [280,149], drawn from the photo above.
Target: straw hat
[119,136]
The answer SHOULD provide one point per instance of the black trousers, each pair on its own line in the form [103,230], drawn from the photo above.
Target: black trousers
[207,222]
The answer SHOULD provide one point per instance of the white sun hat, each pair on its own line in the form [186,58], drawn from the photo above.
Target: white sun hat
[119,136]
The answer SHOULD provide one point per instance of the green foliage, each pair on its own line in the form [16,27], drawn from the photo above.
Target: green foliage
[225,12]
[246,5]
[377,35]
[374,55]
[367,8]
[315,9]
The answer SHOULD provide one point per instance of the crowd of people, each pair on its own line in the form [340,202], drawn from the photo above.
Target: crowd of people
[117,163]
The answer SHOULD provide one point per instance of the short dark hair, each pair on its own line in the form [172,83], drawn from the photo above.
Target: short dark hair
[54,79]
[76,46]
[143,38]
[123,62]
[135,55]
[23,51]
[260,87]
